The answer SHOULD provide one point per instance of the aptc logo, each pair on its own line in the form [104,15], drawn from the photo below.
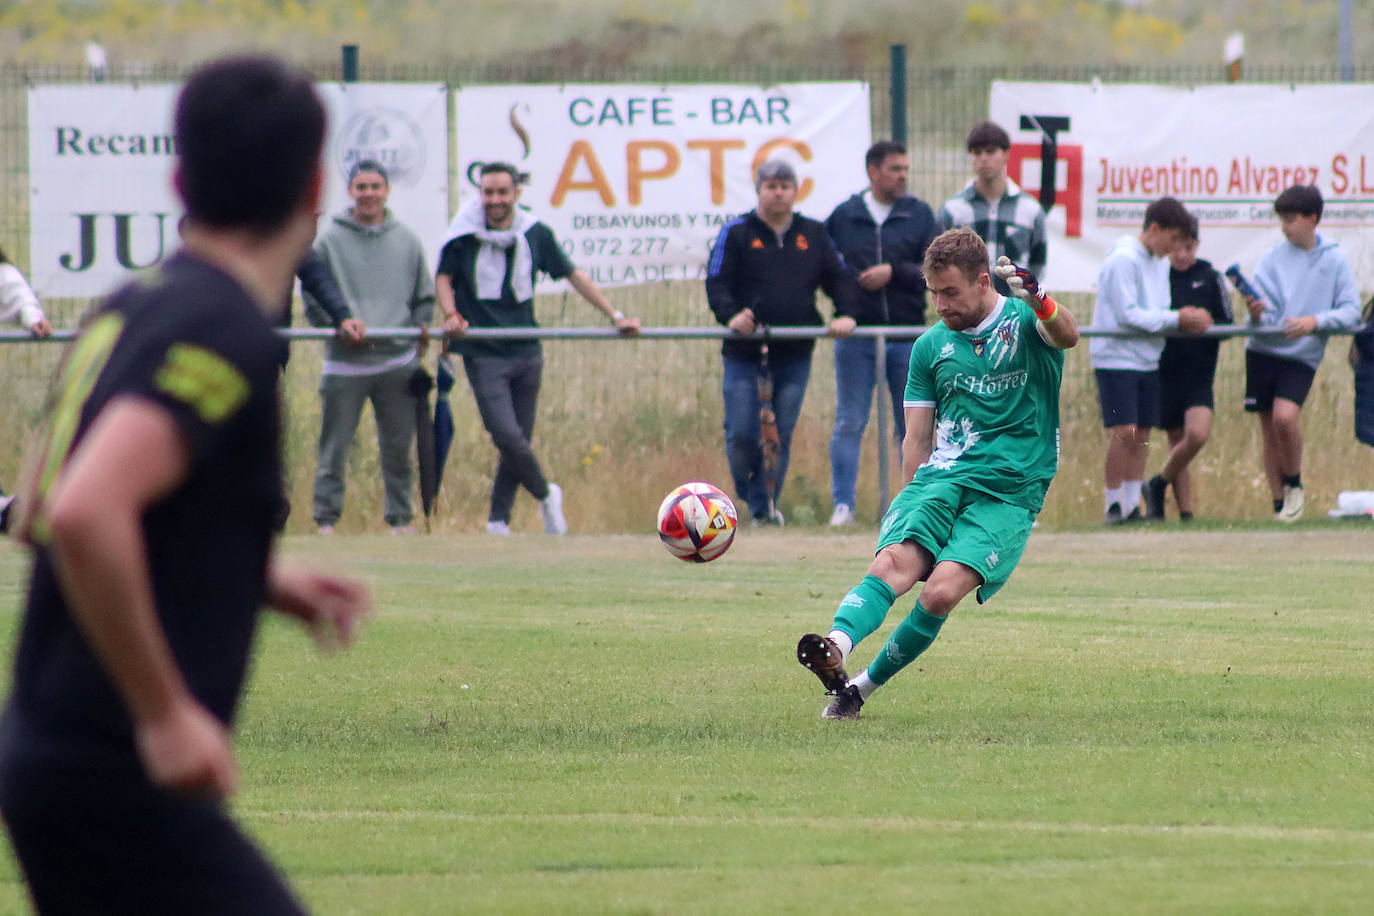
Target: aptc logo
[388,136]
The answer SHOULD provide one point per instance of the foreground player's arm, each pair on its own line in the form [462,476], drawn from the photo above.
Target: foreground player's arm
[919,440]
[331,607]
[1056,324]
[133,456]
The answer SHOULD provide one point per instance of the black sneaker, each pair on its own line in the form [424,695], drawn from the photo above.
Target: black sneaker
[1153,492]
[845,704]
[1134,516]
[5,512]
[819,655]
[1113,515]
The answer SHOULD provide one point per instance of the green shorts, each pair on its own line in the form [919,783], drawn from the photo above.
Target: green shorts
[956,523]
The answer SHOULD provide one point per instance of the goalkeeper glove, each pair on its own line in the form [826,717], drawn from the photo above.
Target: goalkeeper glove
[1023,285]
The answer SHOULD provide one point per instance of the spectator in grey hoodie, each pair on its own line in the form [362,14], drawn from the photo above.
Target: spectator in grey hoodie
[380,266]
[1308,290]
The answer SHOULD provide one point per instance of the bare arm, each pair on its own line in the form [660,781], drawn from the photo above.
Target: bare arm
[133,456]
[1061,330]
[454,322]
[919,440]
[593,294]
[330,607]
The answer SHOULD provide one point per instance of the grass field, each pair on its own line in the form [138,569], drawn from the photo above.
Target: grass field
[1143,721]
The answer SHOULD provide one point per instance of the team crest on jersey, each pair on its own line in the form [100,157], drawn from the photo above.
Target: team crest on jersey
[1004,340]
[980,346]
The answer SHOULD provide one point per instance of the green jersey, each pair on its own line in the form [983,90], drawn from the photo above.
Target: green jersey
[995,391]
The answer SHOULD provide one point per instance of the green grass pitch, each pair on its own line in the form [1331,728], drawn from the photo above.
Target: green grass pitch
[1144,721]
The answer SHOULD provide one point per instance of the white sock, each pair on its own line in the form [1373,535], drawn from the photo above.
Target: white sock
[1130,496]
[866,686]
[1114,496]
[841,639]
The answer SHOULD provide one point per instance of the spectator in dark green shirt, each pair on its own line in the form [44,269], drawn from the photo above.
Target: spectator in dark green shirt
[493,252]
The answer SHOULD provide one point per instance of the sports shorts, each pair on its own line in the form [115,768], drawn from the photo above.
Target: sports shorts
[1182,388]
[961,524]
[1128,397]
[1268,377]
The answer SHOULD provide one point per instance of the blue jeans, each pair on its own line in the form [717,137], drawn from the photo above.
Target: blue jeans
[742,448]
[856,360]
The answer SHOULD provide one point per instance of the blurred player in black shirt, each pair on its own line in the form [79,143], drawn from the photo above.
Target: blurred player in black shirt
[150,513]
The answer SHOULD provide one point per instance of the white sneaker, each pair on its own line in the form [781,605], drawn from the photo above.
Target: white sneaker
[551,509]
[498,528]
[843,515]
[403,529]
[1293,500]
[774,520]
[326,529]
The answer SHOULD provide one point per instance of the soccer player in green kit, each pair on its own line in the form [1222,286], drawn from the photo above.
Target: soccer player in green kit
[982,445]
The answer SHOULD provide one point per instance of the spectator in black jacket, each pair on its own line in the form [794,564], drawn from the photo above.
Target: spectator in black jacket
[328,305]
[764,271]
[317,285]
[1362,361]
[1187,369]
[882,234]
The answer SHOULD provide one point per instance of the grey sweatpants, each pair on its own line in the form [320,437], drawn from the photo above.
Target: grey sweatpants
[394,409]
[506,390]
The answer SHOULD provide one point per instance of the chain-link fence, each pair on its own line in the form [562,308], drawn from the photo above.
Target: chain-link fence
[621,422]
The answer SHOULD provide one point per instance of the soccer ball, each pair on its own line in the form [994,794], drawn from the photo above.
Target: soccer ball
[697,522]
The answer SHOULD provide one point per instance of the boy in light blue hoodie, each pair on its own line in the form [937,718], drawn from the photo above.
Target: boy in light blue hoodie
[1307,290]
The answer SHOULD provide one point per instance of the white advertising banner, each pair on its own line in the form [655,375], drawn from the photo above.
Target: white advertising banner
[100,172]
[1225,151]
[637,181]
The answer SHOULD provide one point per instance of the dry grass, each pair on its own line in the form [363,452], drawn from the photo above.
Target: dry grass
[622,422]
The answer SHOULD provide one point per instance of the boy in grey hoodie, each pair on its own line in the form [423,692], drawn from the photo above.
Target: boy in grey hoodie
[1308,291]
[1133,297]
[380,265]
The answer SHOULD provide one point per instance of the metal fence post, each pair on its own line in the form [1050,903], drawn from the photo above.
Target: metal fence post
[897,91]
[349,58]
[1347,43]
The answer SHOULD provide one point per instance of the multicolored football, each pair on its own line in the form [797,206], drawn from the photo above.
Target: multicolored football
[697,522]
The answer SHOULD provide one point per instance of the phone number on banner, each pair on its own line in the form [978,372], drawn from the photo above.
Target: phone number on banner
[612,246]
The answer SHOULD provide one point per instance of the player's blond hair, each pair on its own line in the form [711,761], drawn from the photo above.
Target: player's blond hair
[962,248]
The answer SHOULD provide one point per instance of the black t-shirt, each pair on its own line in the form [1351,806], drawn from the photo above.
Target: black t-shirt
[189,339]
[1200,286]
[458,261]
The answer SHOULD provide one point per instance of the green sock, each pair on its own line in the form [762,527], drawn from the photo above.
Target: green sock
[912,637]
[865,608]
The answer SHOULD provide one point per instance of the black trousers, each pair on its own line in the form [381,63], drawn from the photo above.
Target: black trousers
[506,390]
[115,844]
